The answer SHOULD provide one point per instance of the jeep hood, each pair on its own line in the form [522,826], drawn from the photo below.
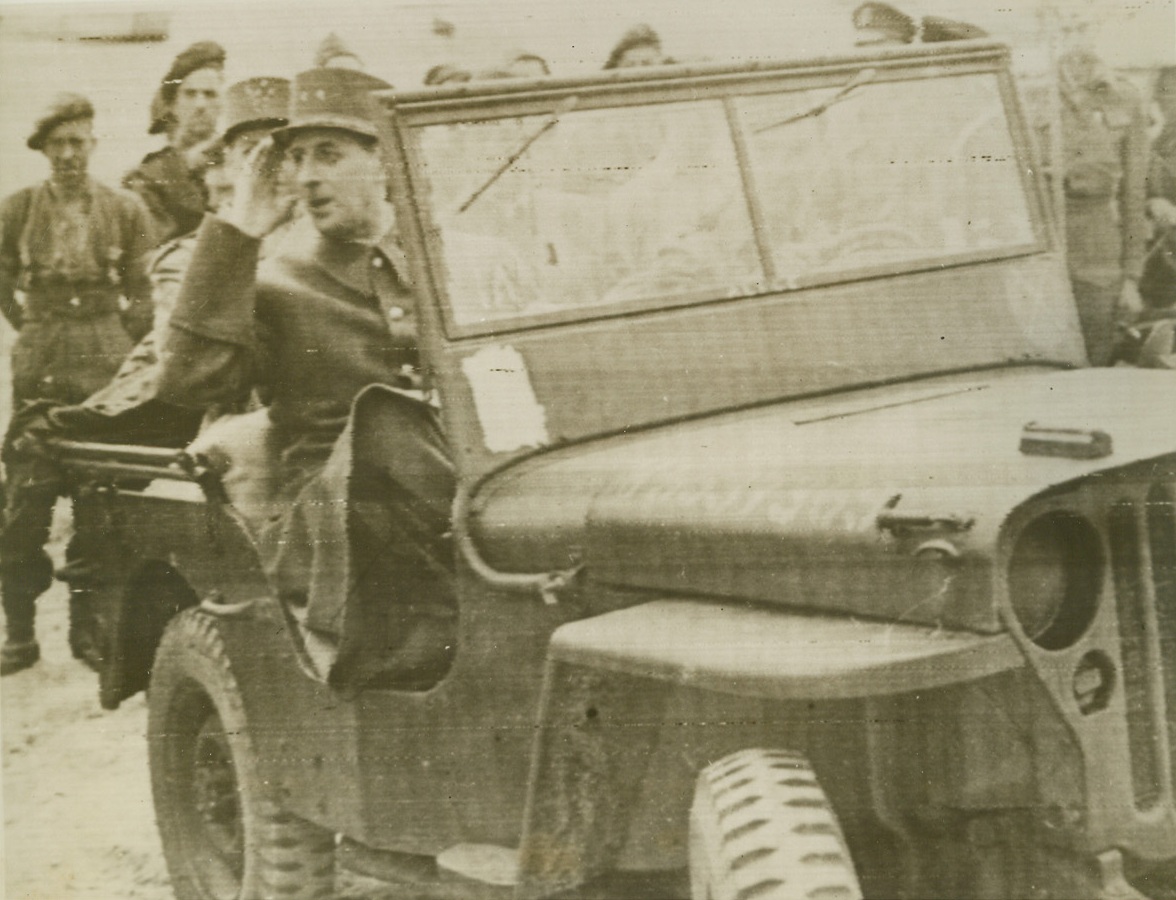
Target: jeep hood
[822,503]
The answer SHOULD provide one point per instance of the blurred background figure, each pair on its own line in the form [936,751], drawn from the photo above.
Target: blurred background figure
[639,46]
[1158,284]
[186,107]
[1105,159]
[446,73]
[333,53]
[881,23]
[517,64]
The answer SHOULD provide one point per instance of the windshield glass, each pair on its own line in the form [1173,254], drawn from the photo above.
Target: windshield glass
[605,208]
[896,173]
[578,213]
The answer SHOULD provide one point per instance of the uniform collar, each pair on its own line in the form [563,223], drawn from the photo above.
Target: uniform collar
[351,263]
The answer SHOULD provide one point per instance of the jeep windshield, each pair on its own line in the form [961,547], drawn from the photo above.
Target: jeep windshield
[632,207]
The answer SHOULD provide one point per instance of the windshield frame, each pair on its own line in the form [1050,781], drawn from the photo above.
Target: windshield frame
[541,97]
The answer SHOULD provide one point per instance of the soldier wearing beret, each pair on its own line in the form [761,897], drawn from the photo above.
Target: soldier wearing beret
[185,107]
[73,284]
[126,410]
[311,327]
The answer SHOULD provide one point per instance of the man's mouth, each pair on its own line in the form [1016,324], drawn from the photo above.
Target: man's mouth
[318,204]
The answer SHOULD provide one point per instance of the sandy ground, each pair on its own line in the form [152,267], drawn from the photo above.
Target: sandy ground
[78,821]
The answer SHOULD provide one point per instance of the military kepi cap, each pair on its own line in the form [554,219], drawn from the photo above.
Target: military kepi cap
[329,97]
[63,108]
[256,102]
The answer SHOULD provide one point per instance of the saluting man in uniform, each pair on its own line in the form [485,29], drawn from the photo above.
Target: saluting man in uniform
[186,107]
[73,284]
[310,328]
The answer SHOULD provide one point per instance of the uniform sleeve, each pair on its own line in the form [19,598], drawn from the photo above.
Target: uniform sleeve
[1133,194]
[10,226]
[212,354]
[136,285]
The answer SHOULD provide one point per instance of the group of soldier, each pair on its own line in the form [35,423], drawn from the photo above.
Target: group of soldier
[254,261]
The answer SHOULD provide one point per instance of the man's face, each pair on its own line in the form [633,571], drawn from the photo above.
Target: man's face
[640,55]
[197,106]
[68,148]
[340,180]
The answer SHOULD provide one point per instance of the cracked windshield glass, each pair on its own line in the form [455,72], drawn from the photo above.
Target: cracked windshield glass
[586,212]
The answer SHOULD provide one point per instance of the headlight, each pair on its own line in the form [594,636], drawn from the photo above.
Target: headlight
[1055,573]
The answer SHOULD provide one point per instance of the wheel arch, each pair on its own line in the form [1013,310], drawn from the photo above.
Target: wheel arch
[152,595]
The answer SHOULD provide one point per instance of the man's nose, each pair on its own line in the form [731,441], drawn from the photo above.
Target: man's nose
[306,173]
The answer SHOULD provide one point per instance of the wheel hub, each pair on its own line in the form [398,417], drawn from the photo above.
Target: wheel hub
[215,796]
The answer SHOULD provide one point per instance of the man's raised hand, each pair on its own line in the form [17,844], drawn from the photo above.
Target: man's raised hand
[262,201]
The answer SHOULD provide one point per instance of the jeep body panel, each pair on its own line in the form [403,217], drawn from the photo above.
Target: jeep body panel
[821,504]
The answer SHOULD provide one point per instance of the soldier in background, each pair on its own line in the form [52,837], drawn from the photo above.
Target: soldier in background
[1104,147]
[639,46]
[186,107]
[446,73]
[1158,285]
[73,249]
[881,23]
[334,54]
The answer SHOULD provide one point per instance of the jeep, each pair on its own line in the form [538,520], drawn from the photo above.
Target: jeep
[799,553]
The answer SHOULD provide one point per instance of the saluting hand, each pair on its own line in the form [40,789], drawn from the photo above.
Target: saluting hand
[261,201]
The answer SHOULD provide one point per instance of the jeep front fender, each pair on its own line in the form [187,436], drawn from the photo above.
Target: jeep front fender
[609,679]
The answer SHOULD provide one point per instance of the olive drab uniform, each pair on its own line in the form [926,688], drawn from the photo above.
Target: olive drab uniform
[78,266]
[1104,143]
[174,194]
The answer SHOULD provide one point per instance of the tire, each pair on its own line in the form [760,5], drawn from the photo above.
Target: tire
[224,837]
[761,828]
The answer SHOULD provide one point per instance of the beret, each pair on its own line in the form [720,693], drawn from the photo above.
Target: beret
[201,55]
[636,36]
[329,97]
[63,108]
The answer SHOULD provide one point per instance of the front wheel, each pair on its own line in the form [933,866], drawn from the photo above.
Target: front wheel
[761,828]
[224,837]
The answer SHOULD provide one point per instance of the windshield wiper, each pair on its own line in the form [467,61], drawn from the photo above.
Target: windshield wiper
[865,76]
[565,106]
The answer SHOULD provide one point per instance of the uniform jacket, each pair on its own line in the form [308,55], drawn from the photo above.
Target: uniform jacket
[1104,138]
[1161,175]
[73,345]
[308,329]
[175,196]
